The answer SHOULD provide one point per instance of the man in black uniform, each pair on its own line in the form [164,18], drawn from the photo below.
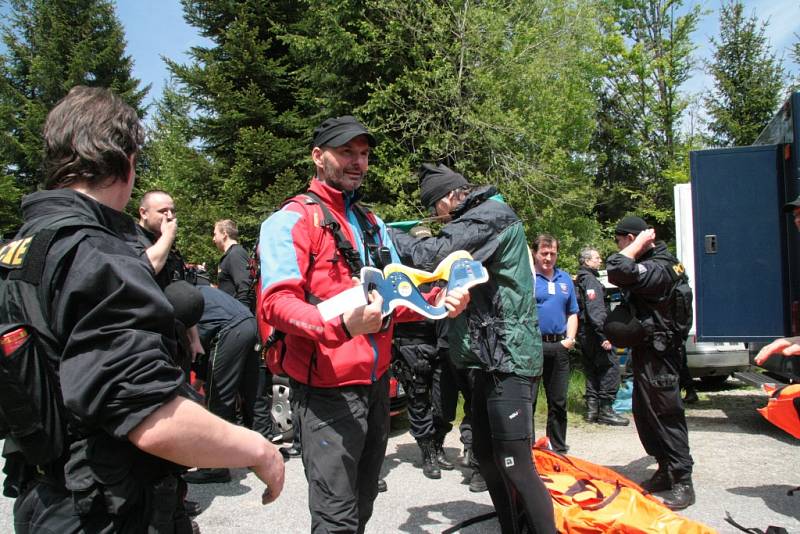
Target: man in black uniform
[110,340]
[233,277]
[228,334]
[158,227]
[234,274]
[600,364]
[640,269]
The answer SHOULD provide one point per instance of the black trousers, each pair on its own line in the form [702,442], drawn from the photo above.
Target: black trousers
[45,508]
[233,371]
[344,433]
[502,425]
[432,399]
[262,406]
[658,410]
[601,368]
[555,379]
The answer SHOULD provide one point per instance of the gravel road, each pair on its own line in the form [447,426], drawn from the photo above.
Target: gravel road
[743,465]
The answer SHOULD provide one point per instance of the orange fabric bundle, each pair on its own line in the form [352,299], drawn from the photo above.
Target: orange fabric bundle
[588,498]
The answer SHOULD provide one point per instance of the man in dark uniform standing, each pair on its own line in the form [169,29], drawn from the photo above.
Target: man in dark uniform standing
[110,332]
[229,336]
[600,364]
[640,270]
[234,274]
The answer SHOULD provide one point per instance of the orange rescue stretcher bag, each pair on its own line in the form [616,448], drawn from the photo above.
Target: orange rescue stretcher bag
[783,407]
[588,498]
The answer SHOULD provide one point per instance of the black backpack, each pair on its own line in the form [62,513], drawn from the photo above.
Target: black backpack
[33,420]
[675,310]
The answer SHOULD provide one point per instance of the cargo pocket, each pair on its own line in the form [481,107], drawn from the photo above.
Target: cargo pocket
[665,394]
[99,477]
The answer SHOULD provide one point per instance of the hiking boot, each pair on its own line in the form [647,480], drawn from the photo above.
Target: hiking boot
[660,481]
[441,459]
[208,476]
[591,410]
[680,496]
[477,483]
[691,395]
[382,487]
[430,467]
[607,416]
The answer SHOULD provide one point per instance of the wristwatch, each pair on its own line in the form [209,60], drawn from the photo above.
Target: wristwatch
[569,339]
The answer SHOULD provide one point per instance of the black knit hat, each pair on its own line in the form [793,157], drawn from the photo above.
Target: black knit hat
[187,301]
[630,225]
[338,131]
[436,181]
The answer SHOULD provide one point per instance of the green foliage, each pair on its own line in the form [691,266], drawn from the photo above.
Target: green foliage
[497,90]
[50,48]
[638,146]
[748,79]
[171,163]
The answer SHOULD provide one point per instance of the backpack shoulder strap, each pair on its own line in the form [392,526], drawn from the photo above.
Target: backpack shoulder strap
[343,245]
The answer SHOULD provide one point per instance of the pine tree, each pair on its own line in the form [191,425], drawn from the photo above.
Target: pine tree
[639,148]
[748,79]
[243,91]
[51,47]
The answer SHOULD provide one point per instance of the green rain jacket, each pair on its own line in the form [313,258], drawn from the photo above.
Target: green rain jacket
[499,330]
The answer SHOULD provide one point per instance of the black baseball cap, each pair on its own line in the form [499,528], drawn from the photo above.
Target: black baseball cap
[791,206]
[338,131]
[630,225]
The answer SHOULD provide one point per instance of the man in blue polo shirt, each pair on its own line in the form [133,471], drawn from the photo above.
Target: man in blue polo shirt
[558,320]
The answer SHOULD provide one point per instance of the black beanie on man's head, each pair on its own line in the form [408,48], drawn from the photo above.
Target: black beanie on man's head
[630,225]
[436,182]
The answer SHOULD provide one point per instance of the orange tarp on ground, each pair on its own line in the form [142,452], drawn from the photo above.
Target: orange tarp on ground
[588,498]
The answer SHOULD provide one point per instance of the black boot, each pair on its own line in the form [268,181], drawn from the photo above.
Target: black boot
[477,483]
[591,410]
[680,496]
[691,395]
[430,468]
[660,481]
[607,416]
[441,459]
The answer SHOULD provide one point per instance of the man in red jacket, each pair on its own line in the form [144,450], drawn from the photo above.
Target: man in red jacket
[338,369]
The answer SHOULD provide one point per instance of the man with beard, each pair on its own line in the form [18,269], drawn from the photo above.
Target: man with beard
[310,251]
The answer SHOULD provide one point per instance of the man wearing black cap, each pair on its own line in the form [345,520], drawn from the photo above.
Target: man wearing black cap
[310,250]
[497,338]
[641,270]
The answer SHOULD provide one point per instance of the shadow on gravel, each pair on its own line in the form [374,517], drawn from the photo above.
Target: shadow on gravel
[204,494]
[410,453]
[775,497]
[637,470]
[434,518]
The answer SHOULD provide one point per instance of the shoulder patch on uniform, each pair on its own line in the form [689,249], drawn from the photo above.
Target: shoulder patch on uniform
[590,294]
[12,254]
[679,269]
[642,269]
